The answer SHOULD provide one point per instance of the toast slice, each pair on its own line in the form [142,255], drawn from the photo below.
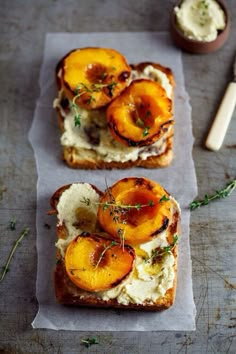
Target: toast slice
[92,146]
[151,285]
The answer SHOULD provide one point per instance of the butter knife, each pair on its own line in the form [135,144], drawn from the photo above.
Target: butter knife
[223,116]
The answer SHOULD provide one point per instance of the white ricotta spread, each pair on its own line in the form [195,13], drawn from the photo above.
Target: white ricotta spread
[74,214]
[148,281]
[200,19]
[107,148]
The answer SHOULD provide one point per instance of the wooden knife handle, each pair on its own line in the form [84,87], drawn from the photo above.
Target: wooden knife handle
[222,119]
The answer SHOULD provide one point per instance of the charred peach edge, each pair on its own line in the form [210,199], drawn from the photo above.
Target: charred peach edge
[120,113]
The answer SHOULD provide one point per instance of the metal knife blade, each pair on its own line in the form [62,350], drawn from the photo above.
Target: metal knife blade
[223,116]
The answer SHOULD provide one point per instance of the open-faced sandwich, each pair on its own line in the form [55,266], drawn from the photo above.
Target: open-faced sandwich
[112,114]
[116,248]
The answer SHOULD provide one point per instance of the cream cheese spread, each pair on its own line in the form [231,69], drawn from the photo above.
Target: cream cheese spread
[74,214]
[94,123]
[148,281]
[200,20]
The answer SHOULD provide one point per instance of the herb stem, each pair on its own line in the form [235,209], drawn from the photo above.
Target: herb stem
[163,250]
[113,243]
[137,206]
[89,341]
[222,193]
[24,232]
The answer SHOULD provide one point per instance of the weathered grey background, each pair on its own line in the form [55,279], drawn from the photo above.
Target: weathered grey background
[23,25]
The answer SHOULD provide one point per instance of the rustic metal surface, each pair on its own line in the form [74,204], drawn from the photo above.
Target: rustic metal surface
[23,25]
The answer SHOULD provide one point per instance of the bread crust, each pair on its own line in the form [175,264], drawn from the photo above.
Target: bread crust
[73,158]
[67,293]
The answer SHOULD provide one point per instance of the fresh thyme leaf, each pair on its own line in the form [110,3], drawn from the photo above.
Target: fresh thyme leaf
[77,90]
[89,341]
[24,232]
[111,88]
[116,219]
[164,198]
[175,239]
[85,88]
[12,224]
[105,206]
[151,203]
[220,194]
[146,131]
[91,98]
[167,249]
[159,252]
[77,119]
[85,200]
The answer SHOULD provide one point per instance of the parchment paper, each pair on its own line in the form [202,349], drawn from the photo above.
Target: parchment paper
[179,179]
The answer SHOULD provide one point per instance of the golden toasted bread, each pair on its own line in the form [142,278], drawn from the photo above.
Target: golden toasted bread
[90,141]
[148,280]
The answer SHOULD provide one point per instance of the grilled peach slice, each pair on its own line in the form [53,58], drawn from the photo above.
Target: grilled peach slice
[135,209]
[141,114]
[94,263]
[92,77]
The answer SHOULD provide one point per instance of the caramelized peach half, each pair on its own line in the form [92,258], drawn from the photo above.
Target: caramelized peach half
[135,209]
[94,263]
[141,114]
[94,76]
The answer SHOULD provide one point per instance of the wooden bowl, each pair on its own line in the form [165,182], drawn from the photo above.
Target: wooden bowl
[194,46]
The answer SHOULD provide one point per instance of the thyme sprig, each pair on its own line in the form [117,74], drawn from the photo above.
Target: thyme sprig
[118,211]
[220,194]
[89,341]
[112,244]
[112,203]
[146,131]
[78,94]
[109,204]
[24,232]
[158,252]
[82,89]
